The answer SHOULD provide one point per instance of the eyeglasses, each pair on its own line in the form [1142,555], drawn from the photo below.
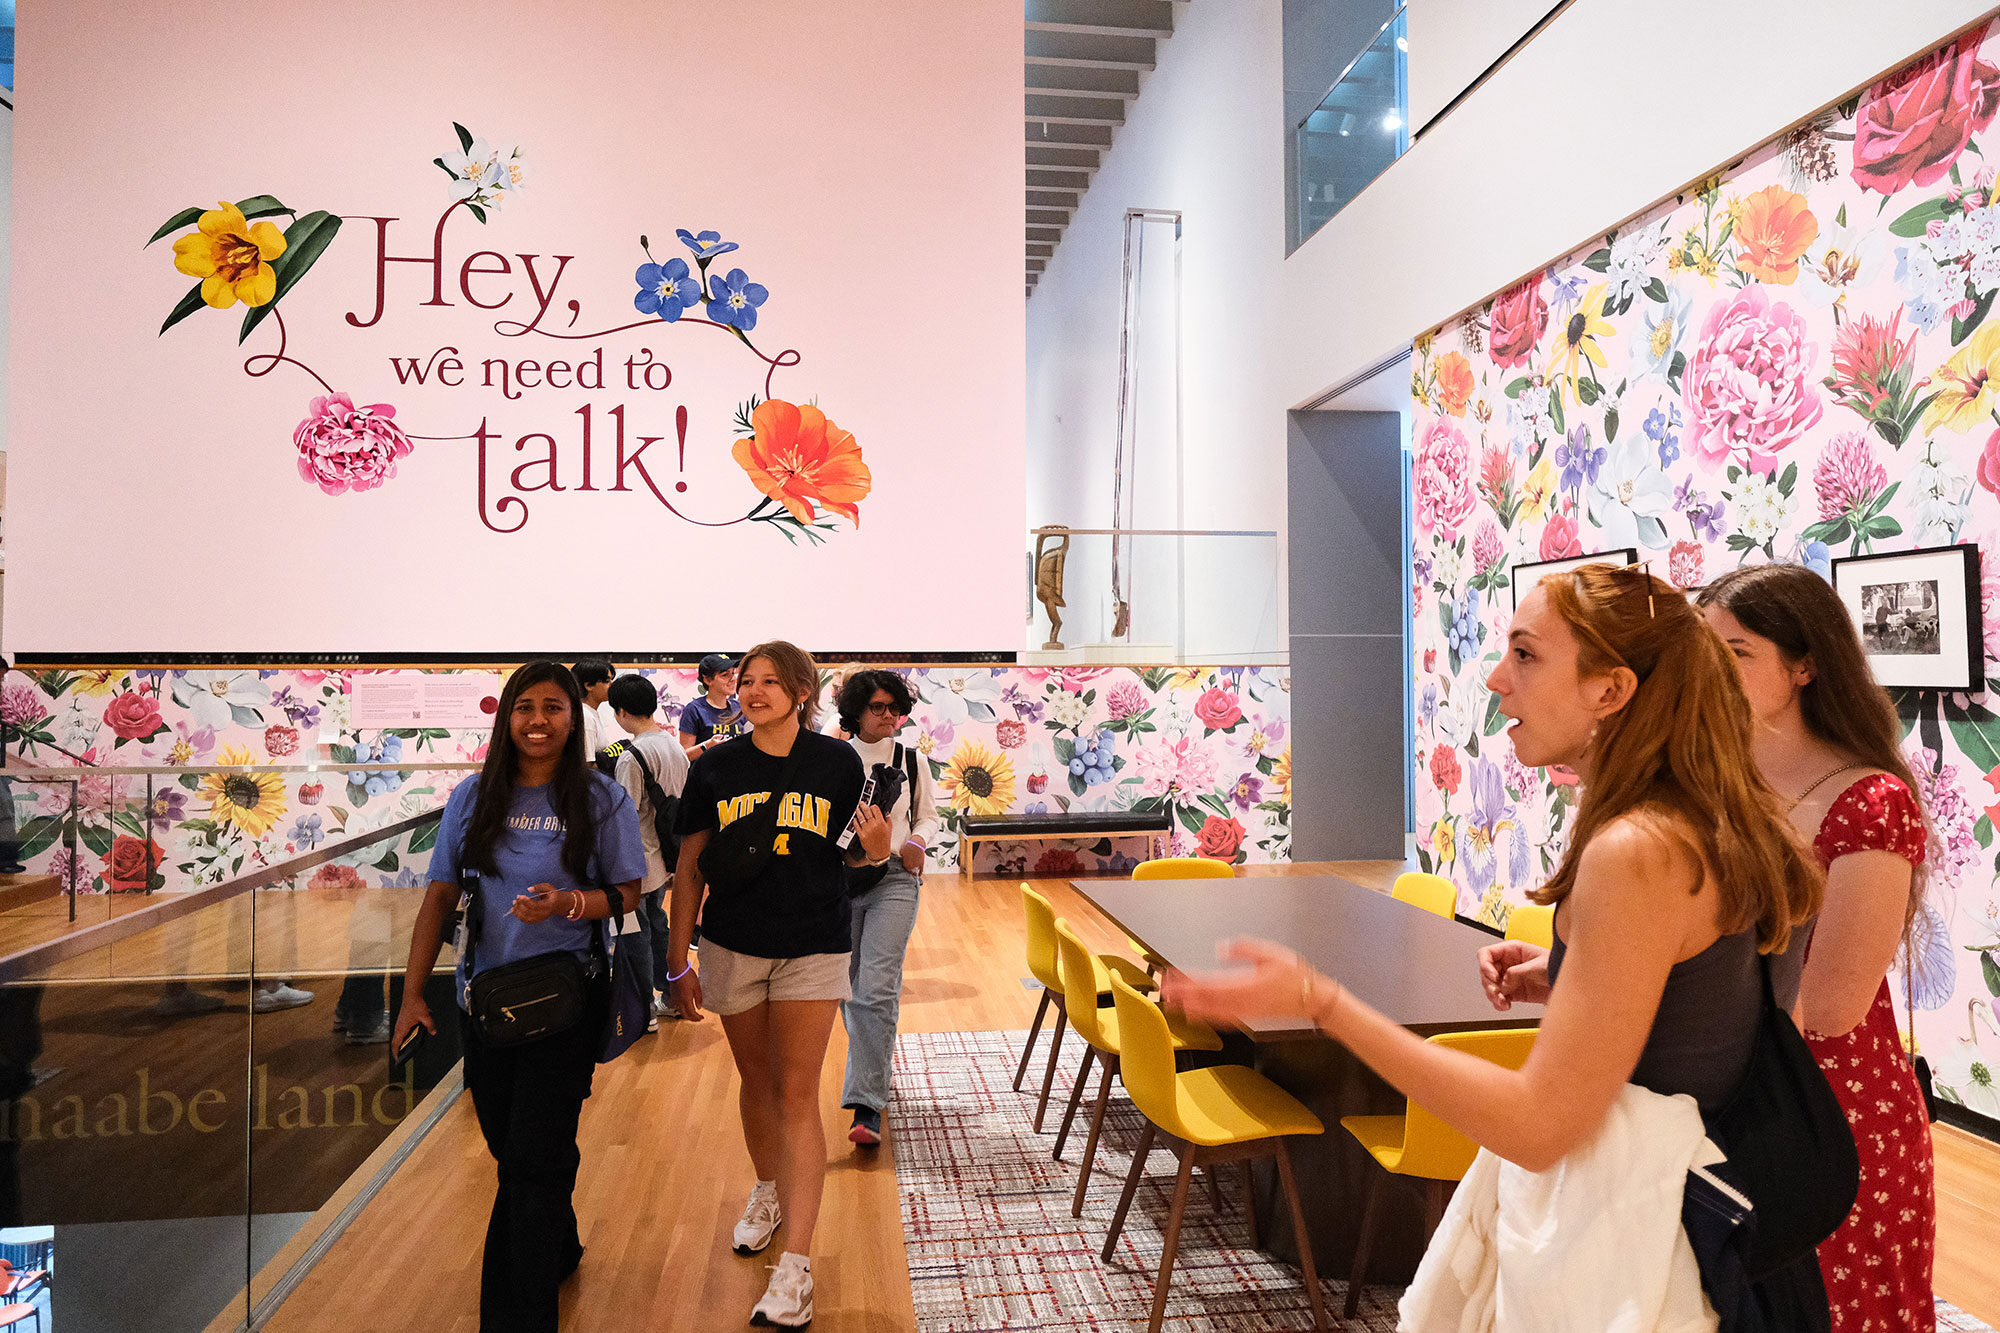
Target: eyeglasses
[888,710]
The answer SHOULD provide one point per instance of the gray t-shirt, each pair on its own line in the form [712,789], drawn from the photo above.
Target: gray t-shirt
[669,763]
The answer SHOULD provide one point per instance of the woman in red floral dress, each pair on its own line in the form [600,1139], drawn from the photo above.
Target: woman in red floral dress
[1828,738]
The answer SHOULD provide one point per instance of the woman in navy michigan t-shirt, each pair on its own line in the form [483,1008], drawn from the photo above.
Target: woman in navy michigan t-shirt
[545,840]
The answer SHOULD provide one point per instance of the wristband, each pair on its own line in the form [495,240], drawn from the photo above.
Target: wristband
[686,968]
[575,913]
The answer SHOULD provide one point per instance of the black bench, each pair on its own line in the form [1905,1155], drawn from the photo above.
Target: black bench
[1057,824]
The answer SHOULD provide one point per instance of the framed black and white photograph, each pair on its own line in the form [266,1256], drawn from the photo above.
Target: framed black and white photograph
[1527,576]
[1918,615]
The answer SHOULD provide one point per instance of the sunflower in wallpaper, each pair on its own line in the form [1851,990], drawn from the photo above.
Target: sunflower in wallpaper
[253,802]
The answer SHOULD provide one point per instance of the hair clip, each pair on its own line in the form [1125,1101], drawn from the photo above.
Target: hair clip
[1647,565]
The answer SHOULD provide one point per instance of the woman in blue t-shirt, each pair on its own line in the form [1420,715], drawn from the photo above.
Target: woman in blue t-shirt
[544,840]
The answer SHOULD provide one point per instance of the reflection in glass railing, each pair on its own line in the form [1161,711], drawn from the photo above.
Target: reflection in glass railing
[1186,596]
[189,1075]
[1351,137]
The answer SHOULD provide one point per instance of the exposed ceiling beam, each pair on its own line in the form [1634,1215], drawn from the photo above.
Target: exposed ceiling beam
[1085,51]
[1083,81]
[1075,110]
[1042,178]
[1038,265]
[1049,235]
[1048,217]
[1106,18]
[1039,251]
[1051,134]
[1063,199]
[1057,155]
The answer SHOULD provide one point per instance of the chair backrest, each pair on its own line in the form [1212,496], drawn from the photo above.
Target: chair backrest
[1533,923]
[1183,867]
[1432,1148]
[1433,893]
[1146,1057]
[1079,980]
[1041,938]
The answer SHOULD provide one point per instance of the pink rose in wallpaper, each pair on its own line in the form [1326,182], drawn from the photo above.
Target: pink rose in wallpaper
[1442,482]
[1913,125]
[1218,709]
[1520,316]
[1989,464]
[343,447]
[1749,386]
[1559,539]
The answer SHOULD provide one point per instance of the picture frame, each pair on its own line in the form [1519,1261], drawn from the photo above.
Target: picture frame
[1918,615]
[1528,575]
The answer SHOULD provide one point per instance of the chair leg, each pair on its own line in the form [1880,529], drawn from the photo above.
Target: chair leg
[1131,1186]
[1250,1201]
[1075,1100]
[1028,1047]
[1301,1236]
[1173,1239]
[1055,1050]
[1096,1128]
[1214,1186]
[1357,1273]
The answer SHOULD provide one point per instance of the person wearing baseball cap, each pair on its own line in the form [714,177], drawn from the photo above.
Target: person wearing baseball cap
[712,717]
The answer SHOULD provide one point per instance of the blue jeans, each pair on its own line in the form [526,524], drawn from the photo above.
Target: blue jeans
[883,919]
[649,946]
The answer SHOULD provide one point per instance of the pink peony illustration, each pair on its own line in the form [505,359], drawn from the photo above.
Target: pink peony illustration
[1443,479]
[343,447]
[1748,390]
[1684,565]
[1520,316]
[1847,476]
[1913,125]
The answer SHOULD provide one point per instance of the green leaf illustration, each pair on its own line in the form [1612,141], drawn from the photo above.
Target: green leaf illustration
[1913,223]
[305,241]
[188,305]
[261,206]
[464,137]
[187,217]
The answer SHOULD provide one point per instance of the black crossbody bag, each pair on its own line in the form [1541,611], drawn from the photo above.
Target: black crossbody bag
[528,998]
[740,849]
[902,764]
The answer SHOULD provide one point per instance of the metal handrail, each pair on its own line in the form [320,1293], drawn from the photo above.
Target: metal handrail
[27,964]
[393,766]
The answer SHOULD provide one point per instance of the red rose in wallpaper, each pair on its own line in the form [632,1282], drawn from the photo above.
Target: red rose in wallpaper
[1009,732]
[1218,709]
[125,870]
[1221,839]
[1913,125]
[133,716]
[1445,772]
[1059,861]
[1520,316]
[281,741]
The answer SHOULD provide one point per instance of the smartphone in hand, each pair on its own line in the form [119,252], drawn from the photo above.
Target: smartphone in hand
[412,1043]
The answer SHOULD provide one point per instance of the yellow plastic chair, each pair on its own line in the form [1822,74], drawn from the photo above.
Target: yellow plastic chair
[1433,893]
[1419,1145]
[1224,1113]
[1534,923]
[1184,867]
[1101,1028]
[1042,966]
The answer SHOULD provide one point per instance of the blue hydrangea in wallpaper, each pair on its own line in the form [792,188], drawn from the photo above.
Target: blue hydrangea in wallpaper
[1794,361]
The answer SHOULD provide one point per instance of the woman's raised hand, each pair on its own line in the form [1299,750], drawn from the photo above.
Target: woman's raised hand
[1277,984]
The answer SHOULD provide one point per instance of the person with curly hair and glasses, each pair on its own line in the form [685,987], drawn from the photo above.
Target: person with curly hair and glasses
[545,848]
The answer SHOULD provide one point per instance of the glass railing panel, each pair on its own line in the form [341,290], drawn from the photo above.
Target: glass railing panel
[1186,596]
[1359,128]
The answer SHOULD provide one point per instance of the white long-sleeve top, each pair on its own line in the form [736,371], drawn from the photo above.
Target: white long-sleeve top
[902,826]
[1592,1245]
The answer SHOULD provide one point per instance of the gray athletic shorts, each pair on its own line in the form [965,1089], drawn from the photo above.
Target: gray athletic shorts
[732,983]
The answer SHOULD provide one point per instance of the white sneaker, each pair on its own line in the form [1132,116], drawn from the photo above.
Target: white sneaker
[788,1301]
[280,996]
[760,1218]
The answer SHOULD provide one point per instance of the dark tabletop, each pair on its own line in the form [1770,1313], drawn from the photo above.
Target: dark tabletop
[1418,968]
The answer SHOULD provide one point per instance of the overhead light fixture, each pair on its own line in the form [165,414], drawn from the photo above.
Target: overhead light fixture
[1403,45]
[1346,123]
[1392,122]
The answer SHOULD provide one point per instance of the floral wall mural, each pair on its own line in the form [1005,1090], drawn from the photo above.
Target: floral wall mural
[1210,744]
[1794,361]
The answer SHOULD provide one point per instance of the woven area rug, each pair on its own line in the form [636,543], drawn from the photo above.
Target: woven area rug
[992,1245]
[986,1211]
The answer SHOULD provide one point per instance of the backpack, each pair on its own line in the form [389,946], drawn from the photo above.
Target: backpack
[902,768]
[665,808]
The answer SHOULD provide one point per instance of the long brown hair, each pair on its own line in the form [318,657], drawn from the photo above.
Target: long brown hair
[796,672]
[1677,755]
[1804,617]
[570,788]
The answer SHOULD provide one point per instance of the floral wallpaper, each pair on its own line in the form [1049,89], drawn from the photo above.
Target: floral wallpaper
[1793,361]
[1210,744]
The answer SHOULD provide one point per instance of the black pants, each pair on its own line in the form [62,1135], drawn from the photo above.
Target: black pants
[528,1098]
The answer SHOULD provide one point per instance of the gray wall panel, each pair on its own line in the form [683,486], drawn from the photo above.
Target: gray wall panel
[1347,749]
[1344,493]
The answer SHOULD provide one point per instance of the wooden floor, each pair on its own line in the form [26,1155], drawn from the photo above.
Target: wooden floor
[665,1174]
